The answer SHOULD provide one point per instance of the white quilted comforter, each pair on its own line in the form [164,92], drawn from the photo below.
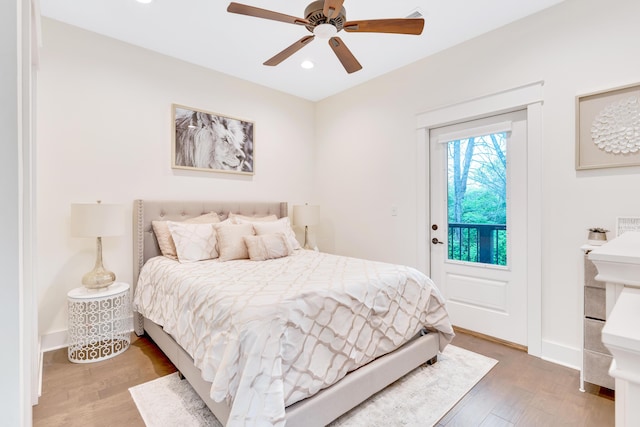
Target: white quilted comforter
[269,333]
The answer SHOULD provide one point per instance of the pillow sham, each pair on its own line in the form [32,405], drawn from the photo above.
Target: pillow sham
[163,235]
[194,242]
[279,226]
[231,244]
[267,246]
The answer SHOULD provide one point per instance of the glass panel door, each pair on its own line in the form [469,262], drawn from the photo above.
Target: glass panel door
[477,199]
[478,208]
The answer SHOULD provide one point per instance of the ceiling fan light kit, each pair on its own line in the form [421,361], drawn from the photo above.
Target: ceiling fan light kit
[324,19]
[325,31]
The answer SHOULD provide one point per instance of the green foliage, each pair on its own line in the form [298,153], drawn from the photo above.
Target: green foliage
[481,207]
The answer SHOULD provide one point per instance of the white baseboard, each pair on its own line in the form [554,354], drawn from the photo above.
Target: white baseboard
[54,341]
[561,354]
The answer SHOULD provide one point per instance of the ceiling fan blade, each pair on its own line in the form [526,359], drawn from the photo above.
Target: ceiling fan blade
[397,26]
[244,9]
[349,62]
[289,51]
[332,8]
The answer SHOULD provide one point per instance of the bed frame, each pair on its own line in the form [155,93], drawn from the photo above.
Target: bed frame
[318,410]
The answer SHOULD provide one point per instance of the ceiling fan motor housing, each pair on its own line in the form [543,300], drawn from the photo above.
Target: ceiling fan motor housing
[313,13]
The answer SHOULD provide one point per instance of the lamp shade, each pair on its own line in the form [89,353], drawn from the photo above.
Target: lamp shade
[305,215]
[96,220]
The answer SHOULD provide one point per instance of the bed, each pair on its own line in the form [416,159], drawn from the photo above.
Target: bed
[310,399]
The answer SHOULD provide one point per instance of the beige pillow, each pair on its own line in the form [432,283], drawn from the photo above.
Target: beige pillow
[230,239]
[280,226]
[267,246]
[194,242]
[236,218]
[163,235]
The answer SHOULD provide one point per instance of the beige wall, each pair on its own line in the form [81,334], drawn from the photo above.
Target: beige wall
[104,133]
[366,139]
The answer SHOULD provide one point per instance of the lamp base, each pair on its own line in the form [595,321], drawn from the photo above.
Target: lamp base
[307,245]
[98,278]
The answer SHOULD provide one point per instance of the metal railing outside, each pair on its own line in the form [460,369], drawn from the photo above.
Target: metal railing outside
[483,243]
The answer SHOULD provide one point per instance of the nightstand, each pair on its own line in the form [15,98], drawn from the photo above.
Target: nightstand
[100,322]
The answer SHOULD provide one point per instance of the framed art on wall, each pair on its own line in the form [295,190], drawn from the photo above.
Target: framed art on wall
[608,128]
[627,223]
[207,141]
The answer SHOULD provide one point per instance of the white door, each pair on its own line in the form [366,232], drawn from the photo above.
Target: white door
[479,221]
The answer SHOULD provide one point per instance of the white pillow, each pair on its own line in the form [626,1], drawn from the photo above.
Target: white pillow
[163,235]
[194,242]
[230,240]
[280,226]
[267,246]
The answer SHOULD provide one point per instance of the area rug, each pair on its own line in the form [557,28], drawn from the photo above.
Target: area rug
[420,398]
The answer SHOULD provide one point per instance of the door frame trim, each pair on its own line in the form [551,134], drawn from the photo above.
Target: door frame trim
[529,97]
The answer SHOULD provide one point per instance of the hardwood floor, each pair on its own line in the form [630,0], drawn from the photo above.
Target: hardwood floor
[97,394]
[519,391]
[522,390]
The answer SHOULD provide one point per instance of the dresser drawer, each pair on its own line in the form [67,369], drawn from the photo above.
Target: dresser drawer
[595,303]
[593,336]
[596,369]
[590,272]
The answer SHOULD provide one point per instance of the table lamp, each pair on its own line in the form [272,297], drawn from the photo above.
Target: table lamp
[97,220]
[304,216]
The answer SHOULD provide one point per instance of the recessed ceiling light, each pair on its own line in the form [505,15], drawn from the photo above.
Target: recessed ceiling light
[307,64]
[144,1]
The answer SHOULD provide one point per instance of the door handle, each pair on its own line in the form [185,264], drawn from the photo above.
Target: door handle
[435,241]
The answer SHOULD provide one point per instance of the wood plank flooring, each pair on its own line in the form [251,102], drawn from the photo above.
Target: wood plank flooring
[520,391]
[97,394]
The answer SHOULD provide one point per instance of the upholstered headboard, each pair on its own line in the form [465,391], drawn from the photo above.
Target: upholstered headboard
[145,245]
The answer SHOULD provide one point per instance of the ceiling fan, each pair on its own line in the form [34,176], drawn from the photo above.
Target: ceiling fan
[325,18]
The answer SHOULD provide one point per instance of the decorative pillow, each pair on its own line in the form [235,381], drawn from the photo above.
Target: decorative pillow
[194,242]
[280,226]
[267,246]
[231,240]
[236,218]
[163,235]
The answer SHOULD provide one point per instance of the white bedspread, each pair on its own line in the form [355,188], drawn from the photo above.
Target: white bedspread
[270,333]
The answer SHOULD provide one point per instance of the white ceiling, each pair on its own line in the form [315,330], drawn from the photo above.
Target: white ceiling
[204,33]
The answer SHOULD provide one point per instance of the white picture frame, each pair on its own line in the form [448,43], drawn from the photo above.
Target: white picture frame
[590,107]
[627,223]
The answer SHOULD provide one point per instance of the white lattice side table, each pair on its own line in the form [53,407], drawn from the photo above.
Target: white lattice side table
[99,322]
